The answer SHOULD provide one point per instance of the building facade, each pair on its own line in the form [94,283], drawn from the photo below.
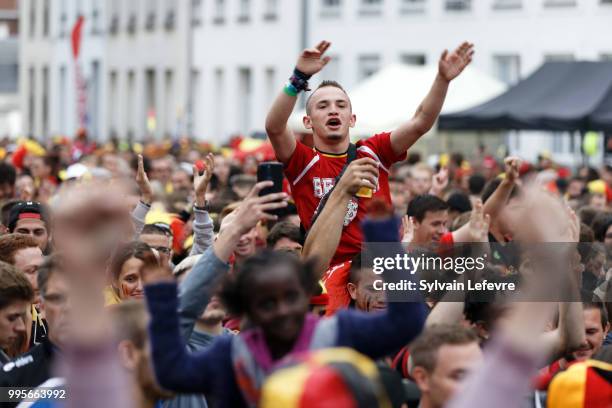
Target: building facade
[10,120]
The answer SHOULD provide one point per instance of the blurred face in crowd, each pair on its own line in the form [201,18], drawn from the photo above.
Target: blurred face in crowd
[7,191]
[453,363]
[39,168]
[420,181]
[161,170]
[595,264]
[36,228]
[431,229]
[278,304]
[329,115]
[12,323]
[56,307]
[161,243]
[222,169]
[598,201]
[608,237]
[28,260]
[250,165]
[24,185]
[575,188]
[247,244]
[181,181]
[364,295]
[129,283]
[399,196]
[594,333]
[286,244]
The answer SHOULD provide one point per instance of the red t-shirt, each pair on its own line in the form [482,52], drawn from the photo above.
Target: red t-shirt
[311,174]
[335,280]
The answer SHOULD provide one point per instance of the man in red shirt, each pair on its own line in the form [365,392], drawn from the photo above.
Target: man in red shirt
[312,172]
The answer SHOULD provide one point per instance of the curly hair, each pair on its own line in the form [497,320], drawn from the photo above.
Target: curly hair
[237,288]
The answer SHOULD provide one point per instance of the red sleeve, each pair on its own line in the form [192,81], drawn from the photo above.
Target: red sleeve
[447,239]
[298,161]
[381,146]
[335,280]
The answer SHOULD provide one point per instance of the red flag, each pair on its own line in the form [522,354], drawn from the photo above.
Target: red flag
[76,36]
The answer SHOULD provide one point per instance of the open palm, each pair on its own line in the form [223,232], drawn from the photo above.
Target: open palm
[451,65]
[312,60]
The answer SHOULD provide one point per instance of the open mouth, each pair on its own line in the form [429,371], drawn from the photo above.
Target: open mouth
[333,123]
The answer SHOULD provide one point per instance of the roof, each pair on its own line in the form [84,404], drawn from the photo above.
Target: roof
[559,96]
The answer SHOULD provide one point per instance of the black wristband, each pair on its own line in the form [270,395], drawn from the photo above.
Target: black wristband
[301,75]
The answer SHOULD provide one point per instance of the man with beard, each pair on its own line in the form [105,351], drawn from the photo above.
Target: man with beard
[312,173]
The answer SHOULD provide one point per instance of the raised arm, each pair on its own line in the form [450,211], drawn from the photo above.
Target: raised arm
[203,224]
[324,236]
[495,204]
[146,197]
[449,67]
[309,63]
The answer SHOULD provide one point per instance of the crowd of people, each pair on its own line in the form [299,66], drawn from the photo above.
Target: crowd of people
[162,275]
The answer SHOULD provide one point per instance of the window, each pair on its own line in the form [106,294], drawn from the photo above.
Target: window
[63,18]
[368,65]
[507,4]
[412,6]
[113,26]
[150,98]
[271,13]
[413,59]
[95,16]
[458,5]
[370,7]
[130,116]
[151,15]
[219,17]
[196,12]
[244,96]
[219,118]
[32,17]
[171,12]
[270,83]
[113,107]
[244,11]
[169,101]
[330,8]
[559,3]
[606,56]
[31,96]
[45,102]
[132,17]
[507,68]
[46,18]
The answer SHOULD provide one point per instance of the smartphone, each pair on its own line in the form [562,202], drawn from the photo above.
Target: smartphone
[271,171]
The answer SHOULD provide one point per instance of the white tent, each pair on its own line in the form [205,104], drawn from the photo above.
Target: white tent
[391,96]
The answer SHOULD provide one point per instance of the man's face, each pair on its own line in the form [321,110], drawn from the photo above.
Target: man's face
[285,244]
[574,189]
[398,196]
[594,334]
[161,169]
[453,363]
[598,201]
[12,323]
[420,182]
[56,306]
[364,295]
[161,243]
[431,229]
[36,228]
[28,260]
[222,169]
[278,303]
[181,181]
[246,245]
[330,115]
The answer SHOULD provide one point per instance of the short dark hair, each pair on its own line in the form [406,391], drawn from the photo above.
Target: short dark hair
[590,301]
[459,201]
[476,183]
[51,265]
[11,243]
[422,204]
[284,229]
[424,350]
[157,228]
[237,287]
[587,214]
[324,84]
[601,223]
[14,286]
[356,270]
[8,175]
[6,210]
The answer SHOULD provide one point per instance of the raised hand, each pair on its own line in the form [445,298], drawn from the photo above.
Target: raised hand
[253,208]
[451,65]
[146,192]
[360,173]
[439,182]
[408,229]
[479,224]
[311,60]
[200,181]
[512,165]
